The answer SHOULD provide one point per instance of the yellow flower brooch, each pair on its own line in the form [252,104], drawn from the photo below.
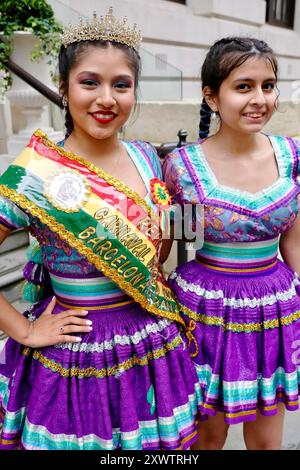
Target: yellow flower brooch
[159,193]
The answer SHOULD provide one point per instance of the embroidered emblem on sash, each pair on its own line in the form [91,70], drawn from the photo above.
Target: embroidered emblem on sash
[67,190]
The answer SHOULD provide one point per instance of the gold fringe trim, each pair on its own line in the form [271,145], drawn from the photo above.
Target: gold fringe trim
[191,338]
[105,371]
[115,182]
[88,307]
[237,270]
[240,327]
[93,258]
[251,412]
[7,442]
[188,438]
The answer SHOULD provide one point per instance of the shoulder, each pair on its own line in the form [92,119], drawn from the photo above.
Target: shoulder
[146,147]
[295,141]
[178,167]
[149,154]
[179,153]
[11,215]
[295,148]
[287,151]
[179,157]
[287,143]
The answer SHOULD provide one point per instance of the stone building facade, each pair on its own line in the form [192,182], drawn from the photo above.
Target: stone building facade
[179,33]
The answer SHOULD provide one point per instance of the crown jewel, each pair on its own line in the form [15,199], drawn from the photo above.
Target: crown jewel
[105,29]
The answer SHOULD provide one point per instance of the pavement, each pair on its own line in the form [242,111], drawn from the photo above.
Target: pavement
[291,434]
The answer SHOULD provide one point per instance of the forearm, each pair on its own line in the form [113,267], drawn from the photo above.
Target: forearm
[12,322]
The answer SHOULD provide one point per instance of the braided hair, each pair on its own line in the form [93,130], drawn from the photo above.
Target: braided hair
[205,116]
[223,57]
[70,56]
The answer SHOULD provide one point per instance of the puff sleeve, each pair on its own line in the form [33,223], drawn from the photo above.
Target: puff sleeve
[171,178]
[11,216]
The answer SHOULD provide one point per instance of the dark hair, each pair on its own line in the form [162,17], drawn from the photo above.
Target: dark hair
[70,56]
[223,57]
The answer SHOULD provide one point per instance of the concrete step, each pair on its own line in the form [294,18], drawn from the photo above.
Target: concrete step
[291,434]
[11,266]
[15,240]
[13,293]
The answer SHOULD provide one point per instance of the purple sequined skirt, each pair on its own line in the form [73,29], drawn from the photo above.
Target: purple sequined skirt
[129,384]
[243,335]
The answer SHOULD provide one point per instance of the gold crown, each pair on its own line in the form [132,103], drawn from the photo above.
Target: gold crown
[105,29]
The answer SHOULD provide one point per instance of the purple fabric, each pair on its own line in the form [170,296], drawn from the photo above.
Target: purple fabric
[33,272]
[193,175]
[158,381]
[91,405]
[243,327]
[294,152]
[236,356]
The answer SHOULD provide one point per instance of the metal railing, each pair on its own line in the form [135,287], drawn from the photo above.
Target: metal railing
[34,82]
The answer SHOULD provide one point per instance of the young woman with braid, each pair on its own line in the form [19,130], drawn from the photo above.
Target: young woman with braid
[240,303]
[95,205]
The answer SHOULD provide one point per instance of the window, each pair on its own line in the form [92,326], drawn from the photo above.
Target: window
[281,13]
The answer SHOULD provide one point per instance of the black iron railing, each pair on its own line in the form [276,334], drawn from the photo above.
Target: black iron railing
[34,82]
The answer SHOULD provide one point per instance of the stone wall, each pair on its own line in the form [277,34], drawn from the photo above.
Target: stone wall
[160,121]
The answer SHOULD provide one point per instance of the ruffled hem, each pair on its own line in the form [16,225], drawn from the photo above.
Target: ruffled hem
[240,401]
[136,389]
[145,437]
[244,337]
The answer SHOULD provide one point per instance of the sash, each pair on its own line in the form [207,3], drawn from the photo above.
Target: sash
[98,215]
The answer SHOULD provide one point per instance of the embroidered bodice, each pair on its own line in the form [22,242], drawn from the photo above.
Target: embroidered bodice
[232,215]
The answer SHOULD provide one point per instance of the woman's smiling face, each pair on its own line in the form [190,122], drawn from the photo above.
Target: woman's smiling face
[247,97]
[101,92]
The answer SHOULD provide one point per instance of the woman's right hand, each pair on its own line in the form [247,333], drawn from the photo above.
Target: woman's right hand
[51,329]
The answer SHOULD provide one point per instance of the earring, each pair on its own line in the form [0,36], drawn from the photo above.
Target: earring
[214,115]
[64,101]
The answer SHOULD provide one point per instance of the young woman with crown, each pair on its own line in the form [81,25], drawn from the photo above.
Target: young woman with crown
[122,379]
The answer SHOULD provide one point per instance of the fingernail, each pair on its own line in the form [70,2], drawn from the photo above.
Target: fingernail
[90,328]
[89,322]
[78,339]
[53,298]
[84,311]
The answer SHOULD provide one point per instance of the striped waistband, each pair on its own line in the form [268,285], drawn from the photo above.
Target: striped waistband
[99,308]
[94,293]
[251,257]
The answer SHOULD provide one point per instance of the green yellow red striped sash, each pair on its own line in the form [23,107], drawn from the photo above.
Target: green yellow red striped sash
[119,239]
